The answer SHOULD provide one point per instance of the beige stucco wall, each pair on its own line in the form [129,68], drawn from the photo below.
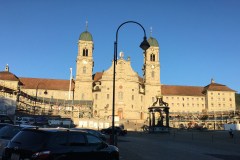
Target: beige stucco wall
[9,84]
[185,103]
[221,101]
[55,94]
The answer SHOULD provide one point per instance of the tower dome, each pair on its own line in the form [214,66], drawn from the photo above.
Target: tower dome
[153,42]
[86,36]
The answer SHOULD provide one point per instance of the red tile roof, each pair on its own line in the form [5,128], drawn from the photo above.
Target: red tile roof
[97,76]
[49,84]
[217,87]
[5,75]
[182,90]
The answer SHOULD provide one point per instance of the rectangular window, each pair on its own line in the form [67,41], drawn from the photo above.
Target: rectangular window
[120,95]
[96,96]
[82,96]
[107,96]
[132,97]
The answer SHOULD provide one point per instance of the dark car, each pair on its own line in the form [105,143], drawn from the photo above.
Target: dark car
[5,119]
[94,132]
[4,124]
[41,121]
[117,130]
[58,144]
[7,133]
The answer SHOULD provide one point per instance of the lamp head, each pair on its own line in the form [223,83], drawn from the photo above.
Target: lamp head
[145,45]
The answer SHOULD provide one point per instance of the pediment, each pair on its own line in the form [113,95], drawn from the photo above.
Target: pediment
[124,71]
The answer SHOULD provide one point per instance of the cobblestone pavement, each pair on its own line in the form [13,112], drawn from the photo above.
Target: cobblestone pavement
[187,145]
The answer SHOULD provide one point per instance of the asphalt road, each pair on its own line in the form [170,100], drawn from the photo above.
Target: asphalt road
[187,145]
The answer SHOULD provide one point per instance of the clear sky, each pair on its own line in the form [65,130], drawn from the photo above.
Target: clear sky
[199,39]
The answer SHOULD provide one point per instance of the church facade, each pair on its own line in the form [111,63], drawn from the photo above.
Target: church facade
[133,94]
[91,94]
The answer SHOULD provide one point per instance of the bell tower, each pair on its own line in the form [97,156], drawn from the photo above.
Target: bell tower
[151,66]
[151,71]
[84,67]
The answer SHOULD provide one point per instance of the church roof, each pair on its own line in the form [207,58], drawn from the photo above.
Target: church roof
[49,84]
[86,36]
[153,42]
[97,76]
[5,75]
[182,90]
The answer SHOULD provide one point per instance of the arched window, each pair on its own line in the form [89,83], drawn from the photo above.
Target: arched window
[120,96]
[152,74]
[152,57]
[85,52]
[82,96]
[96,96]
[84,69]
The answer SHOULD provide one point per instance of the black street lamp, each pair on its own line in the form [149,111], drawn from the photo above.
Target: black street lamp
[45,92]
[144,45]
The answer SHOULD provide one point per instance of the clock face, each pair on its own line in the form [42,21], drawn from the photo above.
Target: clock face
[152,66]
[84,61]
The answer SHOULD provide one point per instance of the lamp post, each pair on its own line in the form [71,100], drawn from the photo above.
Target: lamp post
[45,92]
[144,45]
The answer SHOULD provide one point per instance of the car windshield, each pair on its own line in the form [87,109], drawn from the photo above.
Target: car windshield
[8,132]
[24,136]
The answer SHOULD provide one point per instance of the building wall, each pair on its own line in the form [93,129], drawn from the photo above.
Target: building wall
[185,103]
[9,84]
[221,101]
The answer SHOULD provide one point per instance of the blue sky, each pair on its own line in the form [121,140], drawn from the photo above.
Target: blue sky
[199,39]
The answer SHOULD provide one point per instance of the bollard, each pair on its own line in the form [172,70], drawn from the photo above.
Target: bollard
[115,140]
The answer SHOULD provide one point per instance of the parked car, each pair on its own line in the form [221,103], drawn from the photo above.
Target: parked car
[61,122]
[41,121]
[4,124]
[25,120]
[7,133]
[5,119]
[118,131]
[94,132]
[58,144]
